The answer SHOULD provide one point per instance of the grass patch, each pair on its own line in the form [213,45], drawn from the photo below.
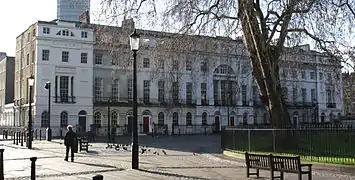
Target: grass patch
[307,159]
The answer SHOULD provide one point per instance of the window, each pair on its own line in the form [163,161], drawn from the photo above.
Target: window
[188,118]
[98,88]
[224,92]
[28,37]
[98,59]
[303,74]
[244,95]
[284,93]
[312,75]
[204,118]
[115,90]
[161,91]
[215,92]
[146,63]
[27,59]
[320,76]
[84,34]
[130,90]
[33,56]
[313,95]
[188,65]
[255,93]
[175,92]
[161,118]
[161,64]
[146,91]
[188,93]
[304,95]
[97,118]
[294,94]
[63,119]
[34,32]
[56,88]
[175,65]
[46,30]
[65,33]
[294,74]
[175,119]
[203,93]
[64,88]
[114,118]
[72,88]
[203,66]
[84,58]
[44,119]
[65,56]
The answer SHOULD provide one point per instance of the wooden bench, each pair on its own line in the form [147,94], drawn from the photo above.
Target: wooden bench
[282,164]
[83,144]
[290,164]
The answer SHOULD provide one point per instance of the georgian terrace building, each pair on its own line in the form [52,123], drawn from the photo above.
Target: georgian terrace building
[182,80]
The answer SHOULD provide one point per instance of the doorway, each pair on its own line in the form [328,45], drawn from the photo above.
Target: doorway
[130,123]
[82,121]
[231,122]
[146,124]
[216,123]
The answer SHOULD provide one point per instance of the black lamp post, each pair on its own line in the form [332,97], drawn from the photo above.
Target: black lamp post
[134,41]
[30,134]
[108,121]
[49,130]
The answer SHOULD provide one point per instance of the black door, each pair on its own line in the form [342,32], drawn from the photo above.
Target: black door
[82,123]
[129,127]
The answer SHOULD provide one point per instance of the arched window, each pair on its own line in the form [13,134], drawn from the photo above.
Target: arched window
[188,118]
[63,119]
[175,119]
[204,118]
[44,119]
[114,118]
[161,118]
[97,118]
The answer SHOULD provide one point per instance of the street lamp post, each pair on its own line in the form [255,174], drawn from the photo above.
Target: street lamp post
[134,41]
[49,130]
[108,121]
[30,134]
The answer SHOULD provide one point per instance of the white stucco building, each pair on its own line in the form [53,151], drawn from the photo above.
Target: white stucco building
[193,80]
[60,52]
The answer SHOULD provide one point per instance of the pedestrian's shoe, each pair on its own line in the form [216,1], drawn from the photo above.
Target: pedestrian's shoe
[72,160]
[65,159]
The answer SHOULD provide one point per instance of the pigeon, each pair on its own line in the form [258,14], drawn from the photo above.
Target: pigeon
[164,152]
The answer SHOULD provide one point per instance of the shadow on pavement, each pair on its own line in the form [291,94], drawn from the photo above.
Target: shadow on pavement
[194,167]
[173,175]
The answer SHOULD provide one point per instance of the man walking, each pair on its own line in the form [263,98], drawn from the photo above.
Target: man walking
[70,142]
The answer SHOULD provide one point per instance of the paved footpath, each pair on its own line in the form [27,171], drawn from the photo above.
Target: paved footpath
[186,163]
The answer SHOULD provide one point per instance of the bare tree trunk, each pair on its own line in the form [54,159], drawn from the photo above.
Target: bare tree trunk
[265,63]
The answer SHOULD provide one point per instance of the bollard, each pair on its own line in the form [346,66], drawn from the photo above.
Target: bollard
[98,177]
[6,134]
[3,134]
[2,164]
[61,133]
[13,137]
[21,138]
[17,138]
[33,167]
[40,135]
[205,132]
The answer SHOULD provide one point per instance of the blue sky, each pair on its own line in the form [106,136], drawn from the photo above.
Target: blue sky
[17,15]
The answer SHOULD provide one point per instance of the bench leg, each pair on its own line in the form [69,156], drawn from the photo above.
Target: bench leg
[272,176]
[310,175]
[281,175]
[257,173]
[248,172]
[299,176]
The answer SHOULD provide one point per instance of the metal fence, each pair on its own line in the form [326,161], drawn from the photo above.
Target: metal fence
[317,143]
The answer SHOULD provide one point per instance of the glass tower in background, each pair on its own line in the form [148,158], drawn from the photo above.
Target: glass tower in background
[69,10]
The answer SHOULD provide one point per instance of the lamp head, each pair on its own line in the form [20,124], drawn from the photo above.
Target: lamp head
[31,81]
[134,40]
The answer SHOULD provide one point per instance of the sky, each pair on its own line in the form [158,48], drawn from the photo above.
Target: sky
[17,15]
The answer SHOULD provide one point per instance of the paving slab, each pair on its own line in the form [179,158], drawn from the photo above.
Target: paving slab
[178,163]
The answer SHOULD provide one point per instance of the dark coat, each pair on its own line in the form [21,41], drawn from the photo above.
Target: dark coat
[70,138]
